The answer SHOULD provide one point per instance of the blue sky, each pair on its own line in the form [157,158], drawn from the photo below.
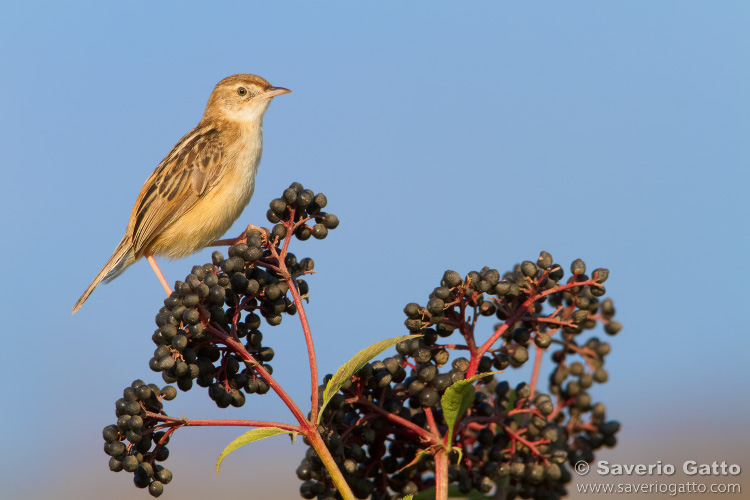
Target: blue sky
[445,135]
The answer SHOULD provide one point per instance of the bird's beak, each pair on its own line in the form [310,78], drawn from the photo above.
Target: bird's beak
[274,91]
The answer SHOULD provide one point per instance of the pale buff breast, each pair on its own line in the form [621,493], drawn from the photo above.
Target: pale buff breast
[220,207]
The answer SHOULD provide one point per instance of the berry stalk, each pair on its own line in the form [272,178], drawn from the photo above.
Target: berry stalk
[248,358]
[296,299]
[441,474]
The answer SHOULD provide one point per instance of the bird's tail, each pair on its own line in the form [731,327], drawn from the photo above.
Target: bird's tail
[120,260]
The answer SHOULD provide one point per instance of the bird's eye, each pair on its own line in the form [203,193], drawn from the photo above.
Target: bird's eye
[242,91]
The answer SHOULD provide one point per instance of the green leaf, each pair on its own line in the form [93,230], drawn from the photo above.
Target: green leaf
[249,437]
[354,365]
[408,497]
[457,399]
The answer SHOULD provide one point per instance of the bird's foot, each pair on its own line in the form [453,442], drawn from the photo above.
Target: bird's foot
[263,232]
[242,238]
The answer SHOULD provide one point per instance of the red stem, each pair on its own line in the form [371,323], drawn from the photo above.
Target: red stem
[310,346]
[427,436]
[292,285]
[431,422]
[307,427]
[529,444]
[468,333]
[516,411]
[516,315]
[535,374]
[441,474]
[552,321]
[223,423]
[240,349]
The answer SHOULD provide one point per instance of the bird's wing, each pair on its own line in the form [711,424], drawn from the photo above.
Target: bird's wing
[187,173]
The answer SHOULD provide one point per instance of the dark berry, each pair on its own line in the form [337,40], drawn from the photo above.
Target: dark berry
[502,288]
[428,397]
[528,268]
[520,354]
[412,310]
[278,231]
[435,305]
[545,260]
[451,278]
[521,335]
[303,233]
[272,292]
[111,433]
[156,489]
[578,267]
[422,355]
[115,465]
[426,372]
[542,340]
[130,463]
[556,273]
[169,392]
[612,327]
[320,200]
[461,364]
[304,199]
[180,341]
[331,221]
[600,275]
[163,475]
[278,206]
[290,195]
[319,231]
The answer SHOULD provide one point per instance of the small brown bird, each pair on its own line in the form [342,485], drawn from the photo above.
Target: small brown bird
[201,187]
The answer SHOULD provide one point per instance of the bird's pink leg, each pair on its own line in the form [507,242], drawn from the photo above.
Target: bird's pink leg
[159,274]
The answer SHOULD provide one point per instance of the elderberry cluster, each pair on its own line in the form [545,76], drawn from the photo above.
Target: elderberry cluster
[304,204]
[134,443]
[522,438]
[209,327]
[234,295]
[231,296]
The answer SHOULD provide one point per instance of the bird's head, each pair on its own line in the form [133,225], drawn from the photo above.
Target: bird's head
[241,98]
